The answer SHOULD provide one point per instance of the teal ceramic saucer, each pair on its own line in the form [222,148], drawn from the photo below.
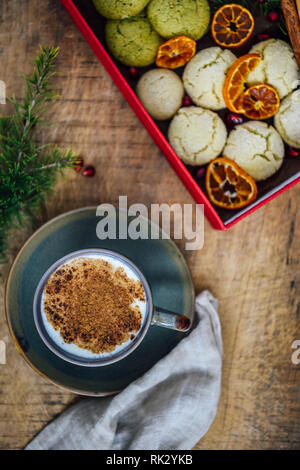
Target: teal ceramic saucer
[159,260]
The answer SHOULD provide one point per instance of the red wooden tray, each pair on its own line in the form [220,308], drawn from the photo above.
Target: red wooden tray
[219,219]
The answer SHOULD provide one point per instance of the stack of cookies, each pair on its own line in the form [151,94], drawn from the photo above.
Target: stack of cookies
[255,88]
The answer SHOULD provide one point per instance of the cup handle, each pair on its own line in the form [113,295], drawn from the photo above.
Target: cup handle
[171,320]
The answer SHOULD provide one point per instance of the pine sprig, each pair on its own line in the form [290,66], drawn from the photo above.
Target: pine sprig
[28,170]
[38,94]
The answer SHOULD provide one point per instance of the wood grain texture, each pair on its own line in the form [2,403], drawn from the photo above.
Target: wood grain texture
[298,7]
[253,268]
[291,14]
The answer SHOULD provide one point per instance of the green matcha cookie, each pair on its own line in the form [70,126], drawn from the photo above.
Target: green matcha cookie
[132,41]
[119,9]
[176,17]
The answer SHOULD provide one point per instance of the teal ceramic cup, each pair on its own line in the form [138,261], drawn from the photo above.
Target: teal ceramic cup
[153,315]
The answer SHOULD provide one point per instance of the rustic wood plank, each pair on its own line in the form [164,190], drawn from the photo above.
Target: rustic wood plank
[253,268]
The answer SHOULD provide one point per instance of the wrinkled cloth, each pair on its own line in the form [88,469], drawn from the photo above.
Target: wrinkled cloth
[169,408]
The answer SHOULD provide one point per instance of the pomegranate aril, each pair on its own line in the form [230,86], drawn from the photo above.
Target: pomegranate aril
[186,101]
[234,119]
[292,152]
[263,37]
[273,16]
[78,164]
[200,173]
[133,72]
[89,171]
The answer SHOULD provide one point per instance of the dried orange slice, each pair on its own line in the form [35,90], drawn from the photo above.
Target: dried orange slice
[175,52]
[261,101]
[236,81]
[232,25]
[228,186]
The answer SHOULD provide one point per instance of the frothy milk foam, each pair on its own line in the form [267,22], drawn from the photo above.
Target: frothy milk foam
[72,348]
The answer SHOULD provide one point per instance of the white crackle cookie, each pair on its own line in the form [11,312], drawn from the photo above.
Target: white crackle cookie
[161,92]
[278,66]
[256,147]
[287,120]
[204,77]
[197,135]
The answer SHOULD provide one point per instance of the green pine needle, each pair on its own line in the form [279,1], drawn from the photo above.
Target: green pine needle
[28,170]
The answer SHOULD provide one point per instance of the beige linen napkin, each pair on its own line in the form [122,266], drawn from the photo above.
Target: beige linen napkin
[169,408]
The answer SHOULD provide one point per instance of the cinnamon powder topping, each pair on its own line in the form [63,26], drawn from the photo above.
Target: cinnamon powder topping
[92,304]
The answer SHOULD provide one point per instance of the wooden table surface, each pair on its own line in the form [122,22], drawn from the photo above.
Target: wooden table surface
[253,268]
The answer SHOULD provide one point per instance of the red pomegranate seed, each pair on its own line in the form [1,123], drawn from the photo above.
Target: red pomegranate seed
[89,171]
[233,119]
[263,37]
[200,173]
[293,152]
[186,101]
[273,16]
[78,165]
[133,72]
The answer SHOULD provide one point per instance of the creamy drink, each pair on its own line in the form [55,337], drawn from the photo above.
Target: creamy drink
[93,306]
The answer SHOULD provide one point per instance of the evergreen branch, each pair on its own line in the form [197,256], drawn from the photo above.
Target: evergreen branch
[28,171]
[37,91]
